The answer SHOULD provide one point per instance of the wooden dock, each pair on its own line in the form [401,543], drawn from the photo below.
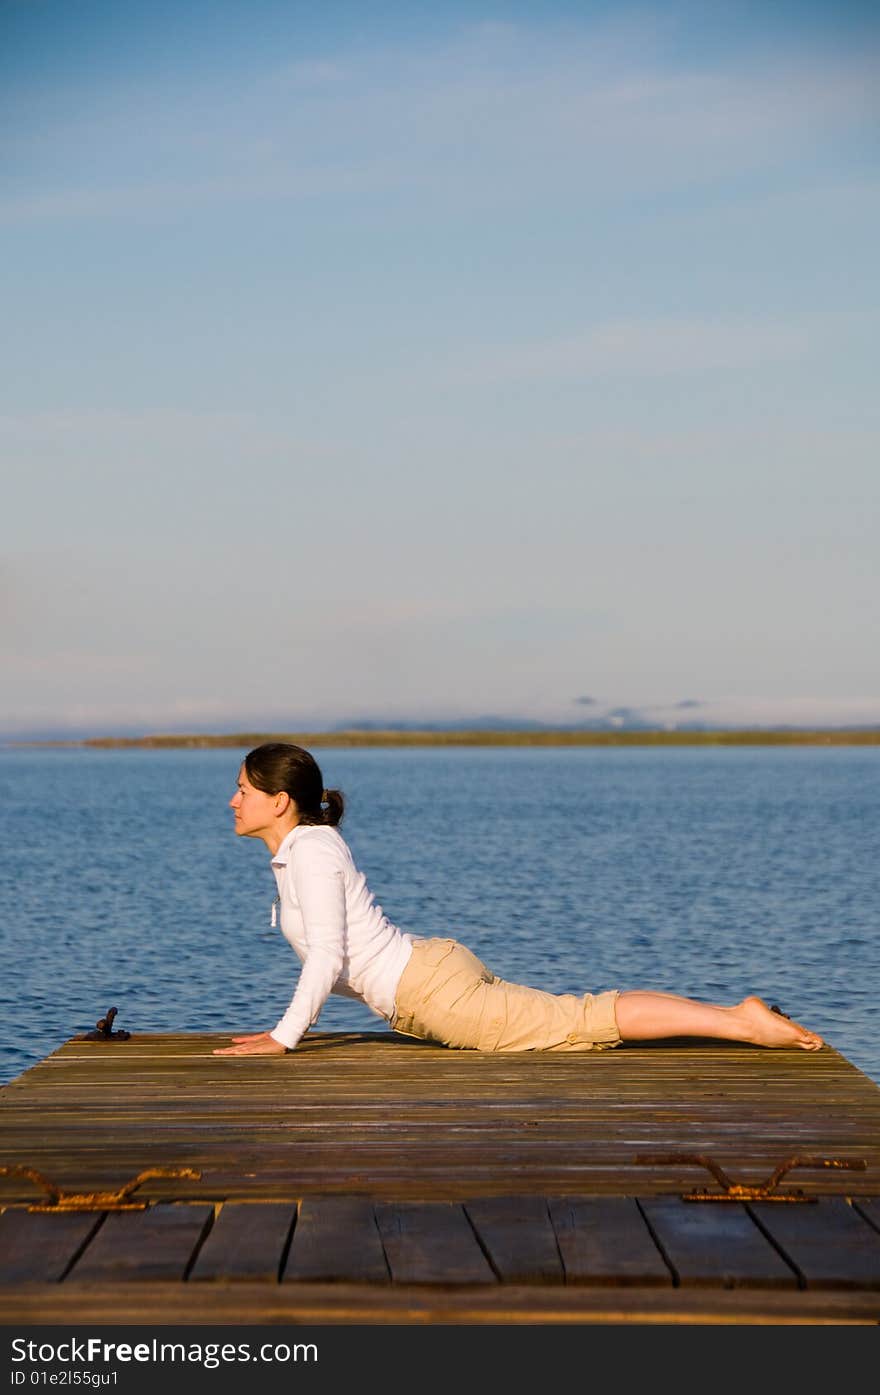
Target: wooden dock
[369,1178]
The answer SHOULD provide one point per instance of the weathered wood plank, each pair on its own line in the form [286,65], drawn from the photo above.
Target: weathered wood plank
[246,1241]
[830,1244]
[604,1240]
[38,1248]
[336,1239]
[256,1304]
[154,1244]
[516,1234]
[869,1207]
[431,1243]
[715,1244]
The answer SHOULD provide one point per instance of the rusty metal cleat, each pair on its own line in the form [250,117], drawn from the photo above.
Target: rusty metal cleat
[95,1201]
[744,1191]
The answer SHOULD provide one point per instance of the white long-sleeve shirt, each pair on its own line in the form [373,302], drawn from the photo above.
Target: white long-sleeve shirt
[330,917]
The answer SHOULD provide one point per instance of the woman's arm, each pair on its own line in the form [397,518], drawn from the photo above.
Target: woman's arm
[317,876]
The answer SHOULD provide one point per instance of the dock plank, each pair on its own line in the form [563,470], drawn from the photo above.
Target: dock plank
[39,1248]
[715,1243]
[336,1240]
[258,1304]
[154,1244]
[246,1241]
[869,1207]
[431,1243]
[829,1242]
[604,1240]
[517,1235]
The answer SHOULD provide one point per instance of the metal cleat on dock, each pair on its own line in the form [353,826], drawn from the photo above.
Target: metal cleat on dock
[95,1201]
[744,1191]
[104,1030]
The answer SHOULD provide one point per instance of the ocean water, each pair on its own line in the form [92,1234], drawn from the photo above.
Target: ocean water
[708,872]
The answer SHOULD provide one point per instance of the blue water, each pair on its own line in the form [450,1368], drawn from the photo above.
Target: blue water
[709,872]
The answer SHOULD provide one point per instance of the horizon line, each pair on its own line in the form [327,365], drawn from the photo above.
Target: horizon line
[481,736]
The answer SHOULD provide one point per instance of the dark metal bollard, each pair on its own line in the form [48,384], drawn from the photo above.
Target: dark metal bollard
[103,1030]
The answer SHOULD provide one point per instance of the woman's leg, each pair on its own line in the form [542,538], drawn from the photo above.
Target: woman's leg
[648,1016]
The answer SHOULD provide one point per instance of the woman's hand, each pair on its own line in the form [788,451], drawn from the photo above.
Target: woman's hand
[257,1044]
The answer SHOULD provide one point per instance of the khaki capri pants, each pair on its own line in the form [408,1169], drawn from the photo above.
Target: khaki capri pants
[446,994]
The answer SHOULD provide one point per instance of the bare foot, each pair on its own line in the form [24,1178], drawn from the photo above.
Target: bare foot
[766,1027]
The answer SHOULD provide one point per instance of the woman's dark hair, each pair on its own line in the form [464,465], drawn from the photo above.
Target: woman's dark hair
[280,766]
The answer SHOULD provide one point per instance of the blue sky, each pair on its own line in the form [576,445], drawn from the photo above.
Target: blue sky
[427,361]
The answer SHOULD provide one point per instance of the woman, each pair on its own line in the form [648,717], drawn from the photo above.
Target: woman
[434,989]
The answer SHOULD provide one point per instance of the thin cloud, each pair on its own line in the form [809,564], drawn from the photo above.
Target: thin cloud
[755,711]
[641,349]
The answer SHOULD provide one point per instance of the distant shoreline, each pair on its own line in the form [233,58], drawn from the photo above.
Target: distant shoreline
[551,737]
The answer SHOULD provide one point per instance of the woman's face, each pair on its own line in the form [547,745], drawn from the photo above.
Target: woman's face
[256,813]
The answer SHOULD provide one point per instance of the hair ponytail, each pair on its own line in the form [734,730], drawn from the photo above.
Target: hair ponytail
[332,807]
